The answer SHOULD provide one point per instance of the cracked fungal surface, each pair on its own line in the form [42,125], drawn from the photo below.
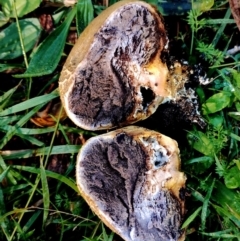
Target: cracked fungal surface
[130,177]
[114,75]
[181,78]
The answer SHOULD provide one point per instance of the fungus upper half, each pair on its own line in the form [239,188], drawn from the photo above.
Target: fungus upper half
[114,75]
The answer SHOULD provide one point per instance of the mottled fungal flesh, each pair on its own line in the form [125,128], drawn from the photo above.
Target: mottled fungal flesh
[114,75]
[130,178]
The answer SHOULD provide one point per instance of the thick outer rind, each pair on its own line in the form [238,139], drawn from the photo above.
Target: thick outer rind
[138,134]
[80,50]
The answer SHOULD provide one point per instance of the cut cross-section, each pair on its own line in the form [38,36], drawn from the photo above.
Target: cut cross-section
[114,75]
[130,178]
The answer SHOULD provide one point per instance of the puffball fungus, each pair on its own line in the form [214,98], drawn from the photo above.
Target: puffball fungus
[114,75]
[130,178]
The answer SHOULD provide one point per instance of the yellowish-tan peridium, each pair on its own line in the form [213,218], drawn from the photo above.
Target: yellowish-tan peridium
[114,75]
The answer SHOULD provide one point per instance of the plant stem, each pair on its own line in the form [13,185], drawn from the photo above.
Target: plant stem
[27,204]
[23,49]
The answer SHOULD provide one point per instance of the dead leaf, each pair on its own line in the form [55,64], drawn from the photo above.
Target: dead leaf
[46,22]
[48,116]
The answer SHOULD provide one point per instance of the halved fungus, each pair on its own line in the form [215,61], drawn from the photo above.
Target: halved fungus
[130,178]
[114,75]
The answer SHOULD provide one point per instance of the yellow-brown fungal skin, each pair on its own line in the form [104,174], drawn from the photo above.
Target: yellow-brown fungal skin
[130,178]
[114,75]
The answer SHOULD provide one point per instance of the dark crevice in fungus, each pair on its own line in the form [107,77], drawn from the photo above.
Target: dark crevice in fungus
[160,159]
[147,95]
[182,193]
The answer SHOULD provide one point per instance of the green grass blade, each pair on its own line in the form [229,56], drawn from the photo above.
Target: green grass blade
[197,195]
[31,220]
[61,149]
[191,217]
[45,192]
[4,167]
[200,159]
[38,131]
[9,66]
[13,212]
[7,95]
[29,103]
[3,174]
[221,234]
[205,206]
[12,189]
[221,28]
[225,197]
[32,140]
[84,15]
[105,236]
[4,121]
[20,123]
[18,132]
[219,21]
[235,137]
[4,224]
[54,175]
[224,212]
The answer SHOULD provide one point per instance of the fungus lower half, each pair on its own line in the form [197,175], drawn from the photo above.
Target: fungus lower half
[114,77]
[130,178]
